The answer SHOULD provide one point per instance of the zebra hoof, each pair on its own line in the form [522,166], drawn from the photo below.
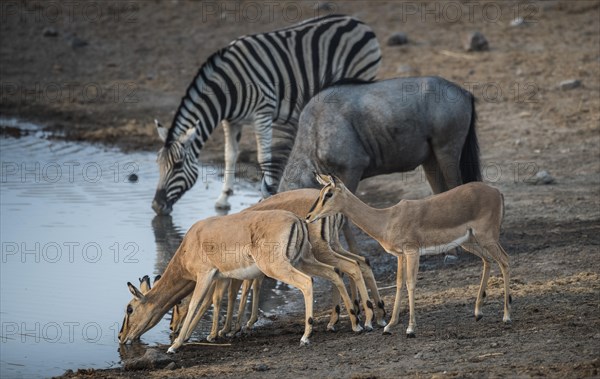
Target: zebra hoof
[411,335]
[223,206]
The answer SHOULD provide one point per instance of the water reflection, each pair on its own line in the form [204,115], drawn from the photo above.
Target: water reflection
[168,237]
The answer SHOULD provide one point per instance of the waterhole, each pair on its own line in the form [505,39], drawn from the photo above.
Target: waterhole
[76,225]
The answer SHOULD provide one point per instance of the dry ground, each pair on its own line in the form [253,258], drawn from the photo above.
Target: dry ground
[141,55]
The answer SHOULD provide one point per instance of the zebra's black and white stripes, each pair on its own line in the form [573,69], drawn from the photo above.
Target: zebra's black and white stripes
[265,78]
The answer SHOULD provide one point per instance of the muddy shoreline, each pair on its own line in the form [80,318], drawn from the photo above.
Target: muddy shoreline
[109,91]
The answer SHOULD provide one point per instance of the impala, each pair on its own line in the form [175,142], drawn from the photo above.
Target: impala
[326,248]
[241,246]
[468,215]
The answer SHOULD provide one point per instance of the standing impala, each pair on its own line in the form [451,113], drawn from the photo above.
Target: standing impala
[469,215]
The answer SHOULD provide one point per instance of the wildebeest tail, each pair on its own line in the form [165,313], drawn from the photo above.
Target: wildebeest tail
[470,166]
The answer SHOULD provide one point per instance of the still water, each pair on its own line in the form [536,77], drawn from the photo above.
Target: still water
[74,229]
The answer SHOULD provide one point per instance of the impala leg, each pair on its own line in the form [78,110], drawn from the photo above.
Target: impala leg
[396,310]
[316,268]
[256,286]
[217,299]
[234,287]
[206,303]
[232,134]
[482,287]
[203,282]
[367,275]
[503,262]
[294,277]
[241,308]
[352,269]
[335,311]
[412,269]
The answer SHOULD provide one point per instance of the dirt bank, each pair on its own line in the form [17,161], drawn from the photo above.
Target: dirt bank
[105,76]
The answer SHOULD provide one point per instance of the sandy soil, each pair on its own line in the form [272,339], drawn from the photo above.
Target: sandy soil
[140,57]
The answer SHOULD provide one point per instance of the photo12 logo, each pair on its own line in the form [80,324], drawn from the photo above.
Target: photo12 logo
[42,11]
[68,171]
[69,252]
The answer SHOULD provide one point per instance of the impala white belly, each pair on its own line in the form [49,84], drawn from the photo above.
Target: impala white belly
[434,250]
[242,273]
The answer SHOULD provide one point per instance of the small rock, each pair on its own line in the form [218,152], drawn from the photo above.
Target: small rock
[151,359]
[171,366]
[541,177]
[419,355]
[519,21]
[49,32]
[76,42]
[569,84]
[261,367]
[266,349]
[494,344]
[476,41]
[397,39]
[325,7]
[133,178]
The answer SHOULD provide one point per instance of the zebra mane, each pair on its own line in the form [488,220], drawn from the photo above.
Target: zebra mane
[207,67]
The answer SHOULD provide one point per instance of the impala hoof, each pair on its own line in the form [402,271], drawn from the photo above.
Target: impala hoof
[507,320]
[304,342]
[478,317]
[357,329]
[331,328]
[411,335]
[171,350]
[382,323]
[386,333]
[368,328]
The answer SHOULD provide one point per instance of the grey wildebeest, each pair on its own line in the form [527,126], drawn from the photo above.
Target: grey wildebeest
[359,130]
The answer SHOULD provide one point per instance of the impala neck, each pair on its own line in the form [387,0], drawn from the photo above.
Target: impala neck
[371,220]
[170,289]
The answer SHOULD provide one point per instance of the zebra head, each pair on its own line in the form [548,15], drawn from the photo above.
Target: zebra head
[178,169]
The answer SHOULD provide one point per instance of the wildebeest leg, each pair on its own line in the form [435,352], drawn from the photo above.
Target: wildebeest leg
[449,162]
[434,175]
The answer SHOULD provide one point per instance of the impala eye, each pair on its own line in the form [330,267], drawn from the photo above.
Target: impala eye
[328,195]
[129,309]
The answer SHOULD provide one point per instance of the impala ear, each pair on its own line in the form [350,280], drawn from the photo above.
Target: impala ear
[136,293]
[162,131]
[322,179]
[335,180]
[186,138]
[145,284]
[156,278]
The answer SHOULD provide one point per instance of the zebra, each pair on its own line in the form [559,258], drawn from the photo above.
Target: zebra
[264,78]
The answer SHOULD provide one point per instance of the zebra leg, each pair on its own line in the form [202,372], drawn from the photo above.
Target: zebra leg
[263,125]
[233,133]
